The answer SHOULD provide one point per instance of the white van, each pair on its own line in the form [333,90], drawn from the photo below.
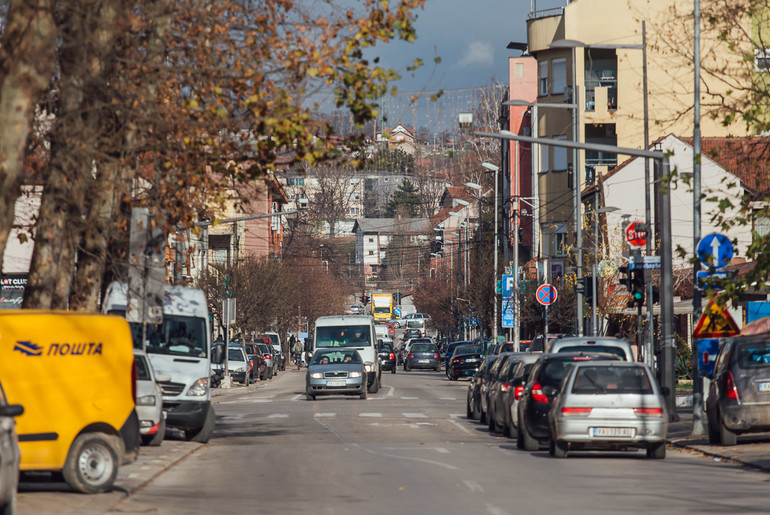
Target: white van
[354,331]
[180,348]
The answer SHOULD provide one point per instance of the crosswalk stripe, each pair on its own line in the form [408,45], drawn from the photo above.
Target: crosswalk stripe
[325,415]
[415,415]
[370,414]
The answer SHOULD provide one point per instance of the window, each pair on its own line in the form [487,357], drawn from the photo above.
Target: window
[560,157]
[544,164]
[371,240]
[371,252]
[762,60]
[518,70]
[559,69]
[542,74]
[354,211]
[560,239]
[761,225]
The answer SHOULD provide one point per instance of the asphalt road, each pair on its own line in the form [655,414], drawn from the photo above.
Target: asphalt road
[410,449]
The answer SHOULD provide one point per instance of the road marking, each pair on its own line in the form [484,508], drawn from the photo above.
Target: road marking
[409,398]
[370,414]
[246,401]
[298,397]
[233,417]
[496,510]
[415,415]
[278,415]
[460,426]
[448,399]
[473,486]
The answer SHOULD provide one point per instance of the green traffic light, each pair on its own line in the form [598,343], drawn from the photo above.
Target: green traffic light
[638,295]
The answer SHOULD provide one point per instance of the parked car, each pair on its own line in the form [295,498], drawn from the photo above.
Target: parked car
[387,357]
[336,371]
[518,378]
[356,309]
[422,354]
[258,369]
[275,340]
[739,393]
[608,405]
[539,343]
[497,386]
[149,400]
[449,350]
[465,361]
[237,363]
[542,386]
[475,388]
[592,344]
[9,453]
[266,351]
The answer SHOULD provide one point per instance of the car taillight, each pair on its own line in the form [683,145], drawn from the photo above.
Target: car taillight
[650,412]
[456,360]
[411,354]
[537,393]
[576,412]
[268,356]
[436,356]
[732,389]
[392,356]
[504,387]
[517,392]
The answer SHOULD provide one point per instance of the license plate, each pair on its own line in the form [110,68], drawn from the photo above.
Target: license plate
[471,360]
[335,383]
[627,432]
[424,361]
[764,387]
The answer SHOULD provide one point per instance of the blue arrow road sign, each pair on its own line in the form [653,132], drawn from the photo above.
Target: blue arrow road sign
[715,250]
[397,312]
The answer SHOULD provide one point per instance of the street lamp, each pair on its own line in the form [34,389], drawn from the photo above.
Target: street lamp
[597,211]
[477,187]
[496,169]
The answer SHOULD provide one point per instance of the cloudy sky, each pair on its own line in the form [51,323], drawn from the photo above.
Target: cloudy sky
[470,36]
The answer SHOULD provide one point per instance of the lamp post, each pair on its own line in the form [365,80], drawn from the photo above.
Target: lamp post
[597,212]
[496,169]
[478,188]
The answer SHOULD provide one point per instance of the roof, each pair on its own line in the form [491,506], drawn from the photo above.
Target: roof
[390,225]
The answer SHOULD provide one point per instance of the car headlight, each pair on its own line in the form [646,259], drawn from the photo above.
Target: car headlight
[199,387]
[146,400]
[355,374]
[368,367]
[317,375]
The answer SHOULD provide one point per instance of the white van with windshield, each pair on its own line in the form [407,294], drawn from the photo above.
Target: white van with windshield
[355,331]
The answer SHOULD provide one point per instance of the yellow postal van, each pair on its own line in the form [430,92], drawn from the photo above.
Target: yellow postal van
[74,374]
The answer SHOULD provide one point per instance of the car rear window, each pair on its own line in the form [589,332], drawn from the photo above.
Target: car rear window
[465,349]
[754,354]
[611,380]
[423,347]
[596,348]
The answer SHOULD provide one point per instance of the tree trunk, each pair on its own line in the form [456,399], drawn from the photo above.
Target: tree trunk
[27,54]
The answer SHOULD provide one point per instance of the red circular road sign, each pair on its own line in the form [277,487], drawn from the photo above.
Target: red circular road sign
[546,294]
[636,235]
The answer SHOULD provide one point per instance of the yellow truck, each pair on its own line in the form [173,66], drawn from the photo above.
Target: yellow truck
[382,306]
[74,374]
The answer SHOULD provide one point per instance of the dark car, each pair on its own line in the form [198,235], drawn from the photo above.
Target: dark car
[465,361]
[473,408]
[412,333]
[537,396]
[422,355]
[739,393]
[258,366]
[387,357]
[499,387]
[518,375]
[266,350]
[450,348]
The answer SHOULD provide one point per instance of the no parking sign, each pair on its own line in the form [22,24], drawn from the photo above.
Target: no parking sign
[546,294]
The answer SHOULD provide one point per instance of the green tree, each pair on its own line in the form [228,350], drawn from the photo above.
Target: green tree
[406,195]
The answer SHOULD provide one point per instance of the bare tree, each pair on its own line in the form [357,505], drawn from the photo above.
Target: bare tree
[336,185]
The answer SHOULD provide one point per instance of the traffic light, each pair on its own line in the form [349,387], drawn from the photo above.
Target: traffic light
[364,300]
[637,289]
[585,285]
[625,278]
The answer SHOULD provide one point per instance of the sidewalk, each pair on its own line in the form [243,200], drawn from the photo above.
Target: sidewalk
[753,450]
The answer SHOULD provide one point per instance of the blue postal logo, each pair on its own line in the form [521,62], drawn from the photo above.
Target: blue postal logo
[59,349]
[28,348]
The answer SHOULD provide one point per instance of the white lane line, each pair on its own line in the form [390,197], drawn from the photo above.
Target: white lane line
[409,398]
[448,399]
[496,510]
[233,417]
[410,458]
[278,415]
[370,415]
[415,415]
[246,401]
[460,426]
[325,415]
[473,486]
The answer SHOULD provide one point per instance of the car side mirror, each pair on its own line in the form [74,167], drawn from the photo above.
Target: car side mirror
[11,410]
[162,378]
[218,354]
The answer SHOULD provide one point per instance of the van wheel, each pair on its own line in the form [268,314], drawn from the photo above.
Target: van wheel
[203,434]
[157,439]
[375,386]
[92,463]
